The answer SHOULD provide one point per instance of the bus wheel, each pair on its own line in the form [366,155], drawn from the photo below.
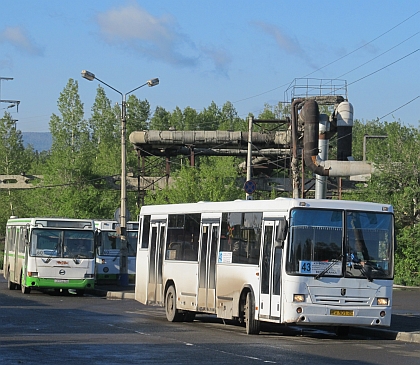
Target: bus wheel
[25,289]
[80,292]
[252,325]
[172,314]
[10,285]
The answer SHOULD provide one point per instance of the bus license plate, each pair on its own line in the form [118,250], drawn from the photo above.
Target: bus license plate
[335,312]
[61,281]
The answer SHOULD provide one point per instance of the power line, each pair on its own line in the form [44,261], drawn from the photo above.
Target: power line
[390,64]
[402,106]
[338,59]
[390,49]
[348,54]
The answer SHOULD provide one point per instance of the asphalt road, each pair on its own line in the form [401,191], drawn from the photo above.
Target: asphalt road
[50,328]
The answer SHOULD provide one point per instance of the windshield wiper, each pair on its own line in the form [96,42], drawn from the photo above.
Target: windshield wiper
[76,259]
[366,273]
[333,262]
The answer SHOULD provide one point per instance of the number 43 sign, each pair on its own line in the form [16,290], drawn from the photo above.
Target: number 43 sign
[315,267]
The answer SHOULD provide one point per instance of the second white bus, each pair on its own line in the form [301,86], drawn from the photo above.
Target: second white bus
[285,261]
[109,251]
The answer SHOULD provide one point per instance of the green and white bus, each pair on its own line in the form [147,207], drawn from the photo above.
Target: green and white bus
[49,253]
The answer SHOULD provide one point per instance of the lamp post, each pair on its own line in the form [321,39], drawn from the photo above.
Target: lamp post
[123,207]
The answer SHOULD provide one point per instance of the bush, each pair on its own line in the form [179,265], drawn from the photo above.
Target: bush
[407,263]
[1,252]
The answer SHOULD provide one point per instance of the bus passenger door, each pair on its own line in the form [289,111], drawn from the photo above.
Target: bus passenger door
[207,267]
[157,242]
[270,273]
[15,273]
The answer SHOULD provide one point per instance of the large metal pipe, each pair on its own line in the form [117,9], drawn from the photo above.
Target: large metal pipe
[209,138]
[344,114]
[310,116]
[323,145]
[185,151]
[294,160]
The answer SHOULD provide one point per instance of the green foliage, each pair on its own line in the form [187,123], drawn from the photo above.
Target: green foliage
[407,263]
[13,157]
[161,120]
[2,242]
[212,180]
[71,152]
[138,114]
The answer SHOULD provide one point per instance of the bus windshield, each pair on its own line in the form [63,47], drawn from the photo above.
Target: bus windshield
[62,243]
[354,244]
[111,243]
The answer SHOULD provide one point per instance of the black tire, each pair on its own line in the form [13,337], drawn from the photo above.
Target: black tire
[10,284]
[189,316]
[80,292]
[252,325]
[25,289]
[172,313]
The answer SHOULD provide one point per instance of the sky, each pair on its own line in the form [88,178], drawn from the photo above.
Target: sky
[247,52]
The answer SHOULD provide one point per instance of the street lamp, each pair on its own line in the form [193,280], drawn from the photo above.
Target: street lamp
[123,208]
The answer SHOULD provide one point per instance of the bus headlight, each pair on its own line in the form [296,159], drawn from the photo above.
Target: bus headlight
[89,276]
[33,274]
[298,298]
[382,301]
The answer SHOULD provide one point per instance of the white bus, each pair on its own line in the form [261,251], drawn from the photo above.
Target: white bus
[49,253]
[285,261]
[109,250]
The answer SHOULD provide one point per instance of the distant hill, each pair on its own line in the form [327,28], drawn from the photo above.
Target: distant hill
[40,141]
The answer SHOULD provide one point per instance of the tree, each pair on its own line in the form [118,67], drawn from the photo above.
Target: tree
[106,137]
[229,119]
[69,168]
[176,119]
[138,114]
[209,118]
[161,120]
[14,160]
[105,126]
[214,179]
[190,119]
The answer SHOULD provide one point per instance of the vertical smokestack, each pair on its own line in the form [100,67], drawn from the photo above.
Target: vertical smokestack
[344,130]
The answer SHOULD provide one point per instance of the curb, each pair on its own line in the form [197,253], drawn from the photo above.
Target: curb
[119,295]
[109,294]
[387,334]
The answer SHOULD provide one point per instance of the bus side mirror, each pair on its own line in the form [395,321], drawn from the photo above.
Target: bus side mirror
[98,241]
[26,237]
[282,230]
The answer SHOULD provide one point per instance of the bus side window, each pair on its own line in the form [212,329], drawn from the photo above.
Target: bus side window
[145,232]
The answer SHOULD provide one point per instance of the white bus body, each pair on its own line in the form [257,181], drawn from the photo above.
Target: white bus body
[49,253]
[297,261]
[108,251]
